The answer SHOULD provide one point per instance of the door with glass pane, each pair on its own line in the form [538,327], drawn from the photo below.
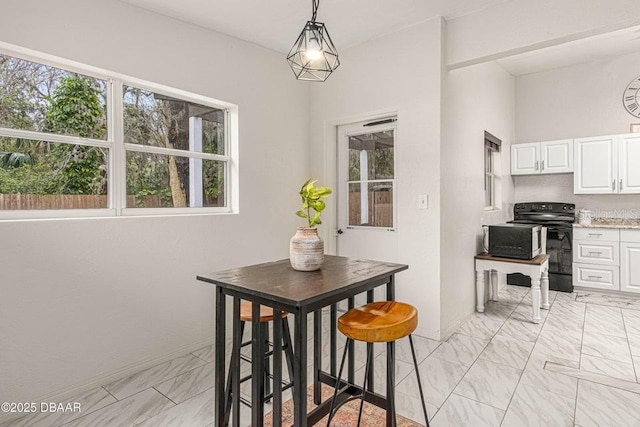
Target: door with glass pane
[367,217]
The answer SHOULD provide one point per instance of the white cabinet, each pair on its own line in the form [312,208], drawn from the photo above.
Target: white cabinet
[542,157]
[525,159]
[628,164]
[596,165]
[630,261]
[557,156]
[607,259]
[604,253]
[596,258]
[596,276]
[607,165]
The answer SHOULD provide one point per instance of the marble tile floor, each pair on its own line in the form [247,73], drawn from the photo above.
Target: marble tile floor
[579,367]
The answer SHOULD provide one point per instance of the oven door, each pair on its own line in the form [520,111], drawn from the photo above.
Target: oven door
[560,250]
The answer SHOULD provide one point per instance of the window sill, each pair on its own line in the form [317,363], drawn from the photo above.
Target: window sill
[84,214]
[492,209]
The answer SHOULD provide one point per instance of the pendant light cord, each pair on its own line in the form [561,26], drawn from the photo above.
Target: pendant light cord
[314,9]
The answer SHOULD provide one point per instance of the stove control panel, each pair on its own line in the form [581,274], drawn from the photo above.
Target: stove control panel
[563,208]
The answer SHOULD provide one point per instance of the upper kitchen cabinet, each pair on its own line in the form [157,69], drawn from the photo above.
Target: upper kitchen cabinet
[629,164]
[542,157]
[525,159]
[605,165]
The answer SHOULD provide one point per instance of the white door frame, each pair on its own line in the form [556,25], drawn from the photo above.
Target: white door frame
[331,167]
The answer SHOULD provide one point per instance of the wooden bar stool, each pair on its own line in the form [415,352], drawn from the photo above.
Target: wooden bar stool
[266,316]
[378,322]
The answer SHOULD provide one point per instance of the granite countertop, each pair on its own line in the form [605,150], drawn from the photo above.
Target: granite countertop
[619,223]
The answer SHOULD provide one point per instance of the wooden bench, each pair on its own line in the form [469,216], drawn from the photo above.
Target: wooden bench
[536,268]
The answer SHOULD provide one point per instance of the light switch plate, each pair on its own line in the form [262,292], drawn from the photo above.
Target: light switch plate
[423,201]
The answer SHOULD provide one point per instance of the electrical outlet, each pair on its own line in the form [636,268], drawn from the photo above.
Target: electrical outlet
[423,202]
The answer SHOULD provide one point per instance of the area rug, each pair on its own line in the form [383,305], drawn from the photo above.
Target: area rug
[347,415]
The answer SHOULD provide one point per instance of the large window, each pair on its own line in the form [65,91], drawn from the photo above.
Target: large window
[75,141]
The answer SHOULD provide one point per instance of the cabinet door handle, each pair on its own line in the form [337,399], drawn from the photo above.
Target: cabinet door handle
[597,253]
[621,185]
[595,277]
[537,165]
[613,185]
[542,167]
[595,234]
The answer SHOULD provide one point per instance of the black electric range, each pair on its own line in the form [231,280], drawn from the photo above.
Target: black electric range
[559,219]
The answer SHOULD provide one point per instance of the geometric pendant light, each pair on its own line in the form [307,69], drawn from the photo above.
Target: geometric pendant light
[313,56]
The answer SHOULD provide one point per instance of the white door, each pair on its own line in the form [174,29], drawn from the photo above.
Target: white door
[557,156]
[630,267]
[596,165]
[525,159]
[367,217]
[629,164]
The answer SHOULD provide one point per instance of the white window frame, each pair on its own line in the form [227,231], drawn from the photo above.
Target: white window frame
[116,189]
[495,178]
[393,126]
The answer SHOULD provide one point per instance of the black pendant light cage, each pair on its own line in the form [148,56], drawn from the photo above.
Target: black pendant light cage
[313,56]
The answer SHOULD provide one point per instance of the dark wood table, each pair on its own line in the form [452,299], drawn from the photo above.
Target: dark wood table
[277,285]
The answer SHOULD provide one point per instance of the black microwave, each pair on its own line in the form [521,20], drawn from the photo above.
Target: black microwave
[520,241]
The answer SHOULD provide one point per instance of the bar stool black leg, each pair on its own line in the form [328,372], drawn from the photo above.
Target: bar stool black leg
[338,382]
[267,364]
[415,364]
[288,351]
[367,370]
[233,388]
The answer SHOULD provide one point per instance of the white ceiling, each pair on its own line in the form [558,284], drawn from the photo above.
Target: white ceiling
[275,24]
[590,49]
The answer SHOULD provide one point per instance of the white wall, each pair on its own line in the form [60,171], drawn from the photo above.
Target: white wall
[398,72]
[82,299]
[521,25]
[477,98]
[578,101]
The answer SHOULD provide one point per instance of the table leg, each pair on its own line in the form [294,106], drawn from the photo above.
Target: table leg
[480,290]
[317,356]
[545,289]
[257,368]
[535,298]
[277,368]
[235,363]
[334,340]
[300,370]
[494,285]
[220,350]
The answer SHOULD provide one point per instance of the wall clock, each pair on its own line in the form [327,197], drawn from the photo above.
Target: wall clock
[631,98]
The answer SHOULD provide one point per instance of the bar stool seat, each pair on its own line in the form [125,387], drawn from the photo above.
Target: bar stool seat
[382,321]
[266,313]
[378,322]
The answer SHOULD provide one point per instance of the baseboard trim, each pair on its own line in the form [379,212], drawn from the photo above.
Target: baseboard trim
[455,325]
[62,395]
[632,295]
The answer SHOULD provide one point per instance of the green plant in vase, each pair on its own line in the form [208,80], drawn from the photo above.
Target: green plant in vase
[306,248]
[312,201]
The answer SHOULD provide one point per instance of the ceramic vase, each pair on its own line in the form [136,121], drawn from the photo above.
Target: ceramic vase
[306,250]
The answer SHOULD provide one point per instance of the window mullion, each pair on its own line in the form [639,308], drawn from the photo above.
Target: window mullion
[174,152]
[52,137]
[119,156]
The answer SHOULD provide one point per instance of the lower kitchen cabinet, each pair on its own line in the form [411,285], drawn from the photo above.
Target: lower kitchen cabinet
[607,259]
[630,267]
[597,276]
